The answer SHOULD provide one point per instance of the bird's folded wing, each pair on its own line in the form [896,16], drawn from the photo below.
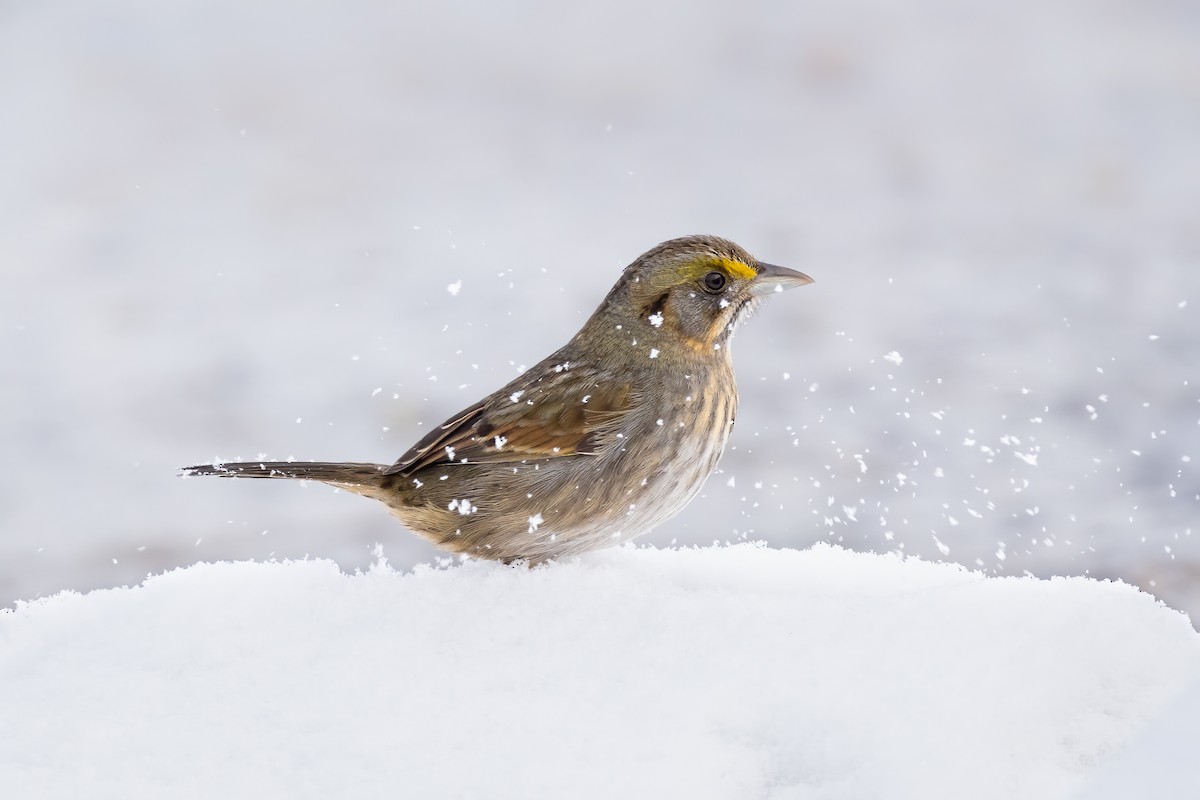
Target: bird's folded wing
[574,412]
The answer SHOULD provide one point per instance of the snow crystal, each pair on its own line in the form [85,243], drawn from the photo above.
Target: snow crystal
[463,507]
[655,319]
[454,288]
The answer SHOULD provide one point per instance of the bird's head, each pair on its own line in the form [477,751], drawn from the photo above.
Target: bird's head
[694,290]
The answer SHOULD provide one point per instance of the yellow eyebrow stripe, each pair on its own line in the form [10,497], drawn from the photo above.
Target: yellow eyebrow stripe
[737,269]
[695,270]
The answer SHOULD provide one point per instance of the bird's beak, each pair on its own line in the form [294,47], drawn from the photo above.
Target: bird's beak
[772,278]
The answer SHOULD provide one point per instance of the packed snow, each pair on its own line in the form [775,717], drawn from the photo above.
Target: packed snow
[719,673]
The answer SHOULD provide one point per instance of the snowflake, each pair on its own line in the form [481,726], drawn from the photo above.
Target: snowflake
[463,507]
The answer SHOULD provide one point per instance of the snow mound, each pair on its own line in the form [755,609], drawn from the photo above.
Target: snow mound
[721,673]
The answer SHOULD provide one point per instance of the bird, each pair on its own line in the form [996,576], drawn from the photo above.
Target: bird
[604,439]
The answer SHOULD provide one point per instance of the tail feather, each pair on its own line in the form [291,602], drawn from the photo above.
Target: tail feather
[341,474]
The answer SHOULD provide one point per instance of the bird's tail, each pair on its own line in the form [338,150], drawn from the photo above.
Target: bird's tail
[360,478]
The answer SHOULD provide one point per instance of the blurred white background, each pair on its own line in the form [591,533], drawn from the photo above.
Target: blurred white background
[228,229]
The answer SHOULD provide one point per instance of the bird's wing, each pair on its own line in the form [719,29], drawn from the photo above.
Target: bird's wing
[568,413]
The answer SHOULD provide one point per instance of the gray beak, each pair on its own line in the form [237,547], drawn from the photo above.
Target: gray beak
[772,278]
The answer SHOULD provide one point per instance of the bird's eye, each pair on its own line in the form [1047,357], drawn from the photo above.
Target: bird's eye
[714,282]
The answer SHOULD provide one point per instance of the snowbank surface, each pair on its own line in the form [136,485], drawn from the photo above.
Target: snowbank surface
[722,673]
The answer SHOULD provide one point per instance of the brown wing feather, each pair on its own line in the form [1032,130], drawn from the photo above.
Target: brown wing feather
[563,414]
